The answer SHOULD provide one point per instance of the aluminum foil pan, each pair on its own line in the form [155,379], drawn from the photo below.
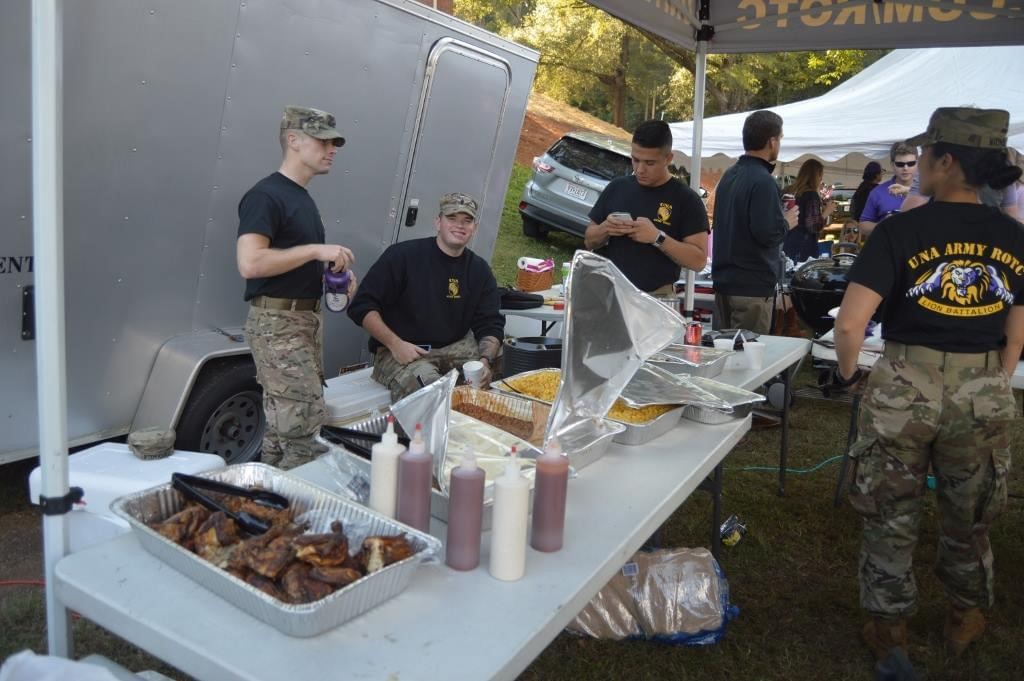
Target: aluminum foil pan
[716,416]
[652,385]
[693,360]
[631,433]
[307,619]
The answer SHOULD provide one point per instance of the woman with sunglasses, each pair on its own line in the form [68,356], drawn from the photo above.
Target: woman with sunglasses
[886,198]
[951,275]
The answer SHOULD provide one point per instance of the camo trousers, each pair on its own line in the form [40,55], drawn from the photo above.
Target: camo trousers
[289,366]
[402,379]
[954,420]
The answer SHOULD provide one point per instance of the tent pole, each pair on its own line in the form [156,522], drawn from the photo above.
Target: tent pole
[48,250]
[699,82]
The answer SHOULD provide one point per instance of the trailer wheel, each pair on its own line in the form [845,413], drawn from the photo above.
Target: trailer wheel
[224,413]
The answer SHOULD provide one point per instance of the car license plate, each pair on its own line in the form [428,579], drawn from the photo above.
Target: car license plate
[576,191]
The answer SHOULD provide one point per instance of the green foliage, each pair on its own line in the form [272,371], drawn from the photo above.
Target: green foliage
[621,74]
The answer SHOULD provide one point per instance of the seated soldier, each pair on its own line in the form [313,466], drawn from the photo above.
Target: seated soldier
[431,304]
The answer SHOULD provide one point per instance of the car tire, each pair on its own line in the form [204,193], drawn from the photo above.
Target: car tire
[533,229]
[224,412]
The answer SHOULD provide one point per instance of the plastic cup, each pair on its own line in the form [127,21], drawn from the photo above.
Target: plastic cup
[734,361]
[473,372]
[755,355]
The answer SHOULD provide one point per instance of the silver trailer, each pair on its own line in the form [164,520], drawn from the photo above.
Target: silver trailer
[170,113]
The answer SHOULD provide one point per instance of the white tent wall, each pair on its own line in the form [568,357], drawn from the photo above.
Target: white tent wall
[888,101]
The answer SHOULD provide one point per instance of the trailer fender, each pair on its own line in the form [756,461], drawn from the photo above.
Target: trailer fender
[204,386]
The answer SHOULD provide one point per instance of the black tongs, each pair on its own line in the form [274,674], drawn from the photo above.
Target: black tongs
[190,486]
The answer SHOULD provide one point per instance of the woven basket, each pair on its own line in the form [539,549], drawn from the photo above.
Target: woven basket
[534,281]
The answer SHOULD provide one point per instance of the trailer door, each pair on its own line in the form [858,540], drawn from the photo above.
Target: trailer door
[461,108]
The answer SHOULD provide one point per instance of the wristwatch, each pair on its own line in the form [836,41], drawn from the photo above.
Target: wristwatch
[659,240]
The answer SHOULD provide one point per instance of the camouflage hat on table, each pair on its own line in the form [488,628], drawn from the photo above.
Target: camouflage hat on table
[313,122]
[151,443]
[457,202]
[966,126]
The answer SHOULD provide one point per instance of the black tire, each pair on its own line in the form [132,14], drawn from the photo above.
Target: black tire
[533,229]
[224,412]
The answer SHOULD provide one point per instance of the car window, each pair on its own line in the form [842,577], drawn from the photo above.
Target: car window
[586,158]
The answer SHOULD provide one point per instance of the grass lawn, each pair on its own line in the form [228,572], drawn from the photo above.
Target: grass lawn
[793,576]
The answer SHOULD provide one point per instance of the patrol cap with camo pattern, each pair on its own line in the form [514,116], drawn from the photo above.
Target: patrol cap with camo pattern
[966,126]
[313,122]
[457,202]
[151,443]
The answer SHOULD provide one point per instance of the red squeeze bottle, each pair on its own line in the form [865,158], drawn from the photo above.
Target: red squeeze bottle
[551,479]
[415,475]
[465,514]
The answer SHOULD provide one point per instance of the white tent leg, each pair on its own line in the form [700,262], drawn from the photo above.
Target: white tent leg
[699,82]
[48,236]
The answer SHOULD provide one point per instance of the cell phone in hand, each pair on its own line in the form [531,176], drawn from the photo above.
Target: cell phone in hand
[621,216]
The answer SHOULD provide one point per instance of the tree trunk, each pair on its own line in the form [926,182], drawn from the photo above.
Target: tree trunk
[618,85]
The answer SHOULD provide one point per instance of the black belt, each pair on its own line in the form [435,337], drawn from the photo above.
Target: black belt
[293,304]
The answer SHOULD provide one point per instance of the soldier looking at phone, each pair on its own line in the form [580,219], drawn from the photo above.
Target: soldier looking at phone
[649,223]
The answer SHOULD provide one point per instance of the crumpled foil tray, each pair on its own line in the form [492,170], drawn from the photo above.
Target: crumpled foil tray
[303,620]
[693,360]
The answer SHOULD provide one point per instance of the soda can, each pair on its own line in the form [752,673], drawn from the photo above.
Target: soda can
[694,333]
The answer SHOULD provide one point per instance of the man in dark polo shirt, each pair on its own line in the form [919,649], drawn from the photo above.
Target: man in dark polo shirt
[280,253]
[649,223]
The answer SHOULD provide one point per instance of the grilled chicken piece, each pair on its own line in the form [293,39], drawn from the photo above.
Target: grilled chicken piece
[323,550]
[181,527]
[300,587]
[216,539]
[267,586]
[379,552]
[267,553]
[335,576]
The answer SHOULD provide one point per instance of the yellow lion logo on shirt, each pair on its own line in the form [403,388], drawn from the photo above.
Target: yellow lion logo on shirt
[453,289]
[664,213]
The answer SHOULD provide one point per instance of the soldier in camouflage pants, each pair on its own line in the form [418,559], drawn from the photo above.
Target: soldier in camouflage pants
[289,366]
[963,412]
[402,379]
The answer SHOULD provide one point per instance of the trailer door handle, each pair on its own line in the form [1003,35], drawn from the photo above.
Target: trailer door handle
[411,212]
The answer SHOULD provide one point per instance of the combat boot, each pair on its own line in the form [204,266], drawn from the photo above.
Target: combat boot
[963,627]
[882,635]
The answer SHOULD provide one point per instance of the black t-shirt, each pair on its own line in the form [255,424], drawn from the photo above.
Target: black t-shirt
[428,297]
[285,213]
[673,207]
[948,274]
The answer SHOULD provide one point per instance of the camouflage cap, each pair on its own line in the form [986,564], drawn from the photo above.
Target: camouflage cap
[966,126]
[313,122]
[151,443]
[457,202]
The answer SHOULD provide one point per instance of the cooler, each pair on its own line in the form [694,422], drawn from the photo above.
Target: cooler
[108,471]
[354,396]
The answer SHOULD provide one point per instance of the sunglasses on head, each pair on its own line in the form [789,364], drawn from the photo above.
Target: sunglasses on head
[904,164]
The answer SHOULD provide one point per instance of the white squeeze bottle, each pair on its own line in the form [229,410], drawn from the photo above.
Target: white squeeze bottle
[415,476]
[508,524]
[384,471]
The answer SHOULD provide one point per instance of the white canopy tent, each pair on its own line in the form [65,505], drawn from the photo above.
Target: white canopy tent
[704,25]
[888,101]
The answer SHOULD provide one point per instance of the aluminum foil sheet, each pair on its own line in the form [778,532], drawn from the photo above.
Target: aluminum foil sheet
[654,385]
[611,327]
[695,360]
[429,406]
[320,507]
[733,396]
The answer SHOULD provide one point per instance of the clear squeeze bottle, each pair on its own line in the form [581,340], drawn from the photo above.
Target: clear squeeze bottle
[549,490]
[384,471]
[415,474]
[465,514]
[508,525]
